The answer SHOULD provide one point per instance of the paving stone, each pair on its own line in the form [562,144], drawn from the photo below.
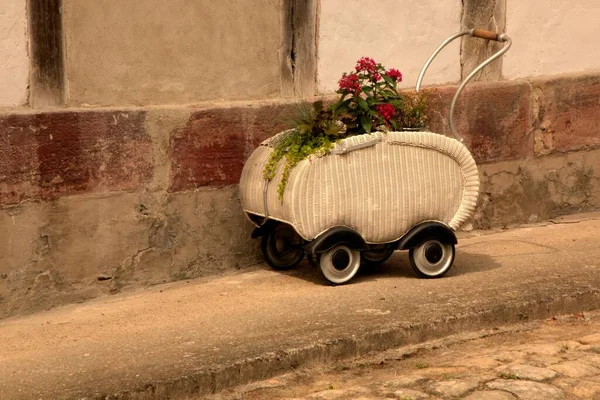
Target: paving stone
[595,349]
[509,356]
[480,362]
[452,388]
[568,345]
[529,372]
[590,339]
[585,389]
[437,372]
[592,359]
[540,360]
[547,349]
[367,398]
[478,376]
[490,395]
[528,390]
[403,381]
[334,394]
[575,369]
[410,394]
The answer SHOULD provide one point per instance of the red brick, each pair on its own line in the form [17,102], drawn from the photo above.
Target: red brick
[569,114]
[19,175]
[271,119]
[48,155]
[210,150]
[494,119]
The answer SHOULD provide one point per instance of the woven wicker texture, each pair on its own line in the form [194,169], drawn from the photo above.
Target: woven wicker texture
[379,185]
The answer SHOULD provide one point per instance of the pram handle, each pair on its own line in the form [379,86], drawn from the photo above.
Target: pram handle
[488,35]
[478,33]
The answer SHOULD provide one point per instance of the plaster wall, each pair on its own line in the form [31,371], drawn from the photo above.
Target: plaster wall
[14,60]
[399,34]
[552,37]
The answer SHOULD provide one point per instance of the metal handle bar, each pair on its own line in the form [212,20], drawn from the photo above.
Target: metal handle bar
[479,33]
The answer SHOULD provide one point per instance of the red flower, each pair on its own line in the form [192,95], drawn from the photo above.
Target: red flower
[376,76]
[366,64]
[395,74]
[350,83]
[387,111]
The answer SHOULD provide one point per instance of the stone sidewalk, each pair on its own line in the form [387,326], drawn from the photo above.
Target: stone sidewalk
[197,338]
[556,359]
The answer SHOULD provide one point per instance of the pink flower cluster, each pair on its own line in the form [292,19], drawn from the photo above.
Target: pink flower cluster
[350,83]
[366,64]
[387,111]
[394,74]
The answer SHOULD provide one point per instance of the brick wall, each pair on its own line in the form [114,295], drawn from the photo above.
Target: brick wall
[96,200]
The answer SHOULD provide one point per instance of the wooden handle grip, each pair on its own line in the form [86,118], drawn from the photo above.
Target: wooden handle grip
[483,34]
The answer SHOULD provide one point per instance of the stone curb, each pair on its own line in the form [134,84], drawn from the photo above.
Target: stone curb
[219,377]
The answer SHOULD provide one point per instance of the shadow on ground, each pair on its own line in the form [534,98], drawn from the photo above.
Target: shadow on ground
[398,266]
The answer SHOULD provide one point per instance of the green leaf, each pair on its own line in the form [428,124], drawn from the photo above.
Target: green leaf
[396,103]
[340,111]
[341,101]
[388,80]
[341,107]
[362,103]
[366,123]
[318,106]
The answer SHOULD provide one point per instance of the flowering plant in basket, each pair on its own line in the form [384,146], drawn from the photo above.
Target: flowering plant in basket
[369,101]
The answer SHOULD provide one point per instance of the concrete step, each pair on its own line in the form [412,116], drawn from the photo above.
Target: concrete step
[195,338]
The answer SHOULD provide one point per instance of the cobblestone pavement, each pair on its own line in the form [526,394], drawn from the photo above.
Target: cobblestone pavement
[548,360]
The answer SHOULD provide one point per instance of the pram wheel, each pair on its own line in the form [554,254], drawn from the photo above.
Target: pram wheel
[432,258]
[339,264]
[282,247]
[377,254]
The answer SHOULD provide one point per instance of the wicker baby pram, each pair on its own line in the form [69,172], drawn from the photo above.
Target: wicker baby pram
[370,195]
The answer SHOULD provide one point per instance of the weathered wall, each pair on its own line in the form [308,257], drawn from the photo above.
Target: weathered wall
[483,14]
[537,144]
[398,34]
[14,60]
[552,36]
[75,248]
[180,51]
[97,200]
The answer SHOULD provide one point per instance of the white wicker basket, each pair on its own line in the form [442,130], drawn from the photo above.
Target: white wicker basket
[379,184]
[371,195]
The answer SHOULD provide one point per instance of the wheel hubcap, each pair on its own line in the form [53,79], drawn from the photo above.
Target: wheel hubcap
[340,260]
[434,253]
[339,264]
[433,258]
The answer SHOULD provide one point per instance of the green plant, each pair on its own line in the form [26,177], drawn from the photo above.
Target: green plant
[315,133]
[369,100]
[506,375]
[421,365]
[414,112]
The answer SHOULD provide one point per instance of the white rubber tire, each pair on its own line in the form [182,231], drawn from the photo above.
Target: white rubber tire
[339,264]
